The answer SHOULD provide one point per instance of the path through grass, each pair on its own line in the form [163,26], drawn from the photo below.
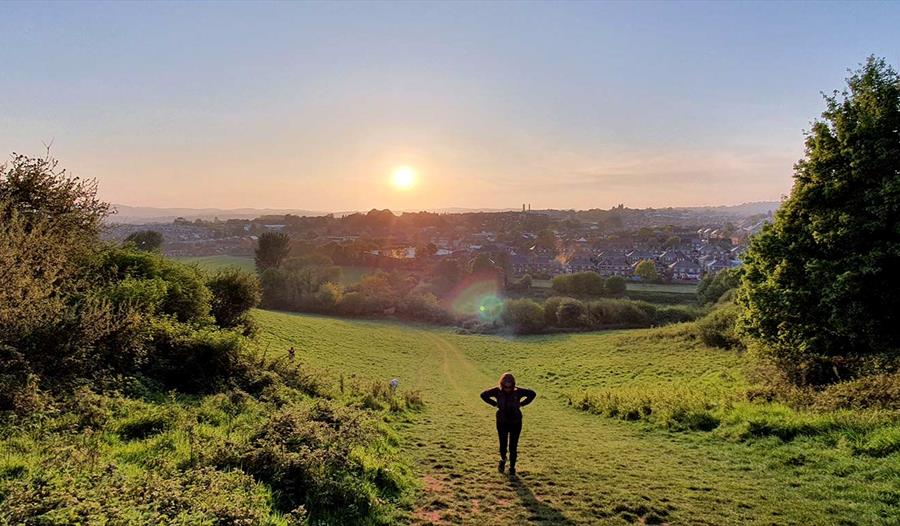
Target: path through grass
[578,468]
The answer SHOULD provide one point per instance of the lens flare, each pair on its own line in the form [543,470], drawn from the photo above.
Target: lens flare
[478,296]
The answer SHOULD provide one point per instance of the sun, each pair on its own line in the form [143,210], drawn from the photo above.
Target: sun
[403,178]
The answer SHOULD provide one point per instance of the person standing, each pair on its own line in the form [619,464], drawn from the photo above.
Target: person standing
[508,399]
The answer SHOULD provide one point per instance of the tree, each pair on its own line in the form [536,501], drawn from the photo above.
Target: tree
[234,293]
[712,286]
[820,285]
[40,191]
[146,240]
[273,247]
[646,270]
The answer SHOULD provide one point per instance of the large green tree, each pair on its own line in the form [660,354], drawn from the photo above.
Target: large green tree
[821,287]
[272,249]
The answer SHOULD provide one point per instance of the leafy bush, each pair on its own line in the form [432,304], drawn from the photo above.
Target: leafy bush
[718,328]
[713,286]
[329,296]
[579,283]
[551,305]
[615,285]
[423,307]
[312,457]
[525,316]
[878,391]
[612,313]
[196,361]
[234,293]
[571,313]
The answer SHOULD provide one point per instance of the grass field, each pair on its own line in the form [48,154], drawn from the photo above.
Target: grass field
[216,263]
[576,467]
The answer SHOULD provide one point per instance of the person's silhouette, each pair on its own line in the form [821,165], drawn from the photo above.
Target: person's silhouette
[508,399]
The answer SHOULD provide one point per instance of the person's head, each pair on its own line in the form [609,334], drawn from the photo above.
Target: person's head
[507,382]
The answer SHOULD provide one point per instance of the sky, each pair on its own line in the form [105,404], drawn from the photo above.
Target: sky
[314,105]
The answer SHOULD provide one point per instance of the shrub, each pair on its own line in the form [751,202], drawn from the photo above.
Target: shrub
[525,316]
[580,283]
[551,305]
[353,304]
[615,285]
[197,361]
[423,307]
[313,457]
[879,391]
[571,313]
[713,286]
[329,295]
[612,313]
[718,328]
[234,293]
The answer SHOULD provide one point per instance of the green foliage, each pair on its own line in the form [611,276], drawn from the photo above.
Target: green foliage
[525,316]
[646,270]
[41,193]
[551,306]
[612,313]
[580,283]
[195,361]
[234,293]
[819,286]
[311,457]
[713,286]
[615,285]
[146,240]
[718,328]
[272,249]
[571,313]
[423,307]
[186,296]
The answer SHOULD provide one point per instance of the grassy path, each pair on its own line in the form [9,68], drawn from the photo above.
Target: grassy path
[575,468]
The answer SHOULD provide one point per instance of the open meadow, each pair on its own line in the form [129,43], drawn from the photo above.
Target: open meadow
[583,468]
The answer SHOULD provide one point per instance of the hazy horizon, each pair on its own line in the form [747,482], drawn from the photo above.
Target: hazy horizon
[313,106]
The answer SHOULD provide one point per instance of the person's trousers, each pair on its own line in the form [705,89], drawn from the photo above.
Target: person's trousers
[508,431]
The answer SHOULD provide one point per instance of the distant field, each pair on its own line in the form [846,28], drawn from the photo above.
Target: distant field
[349,275]
[580,468]
[216,263]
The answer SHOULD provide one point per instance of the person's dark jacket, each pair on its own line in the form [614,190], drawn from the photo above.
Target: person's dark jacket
[508,403]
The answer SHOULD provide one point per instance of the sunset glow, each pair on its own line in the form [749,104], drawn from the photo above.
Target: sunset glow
[403,178]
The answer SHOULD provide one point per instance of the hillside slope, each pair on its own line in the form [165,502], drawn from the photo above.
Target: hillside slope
[578,468]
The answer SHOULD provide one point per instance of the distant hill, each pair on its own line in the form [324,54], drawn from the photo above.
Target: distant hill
[144,214]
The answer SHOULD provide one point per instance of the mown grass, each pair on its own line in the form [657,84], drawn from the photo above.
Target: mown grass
[581,468]
[217,263]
